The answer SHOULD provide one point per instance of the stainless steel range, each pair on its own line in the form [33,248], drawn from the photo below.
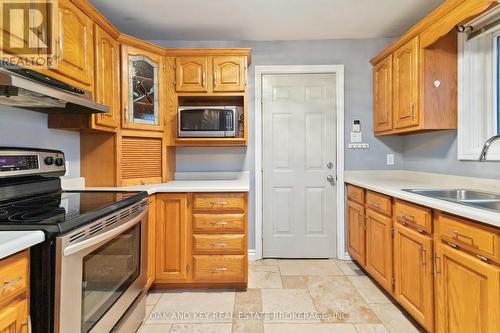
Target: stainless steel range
[90,273]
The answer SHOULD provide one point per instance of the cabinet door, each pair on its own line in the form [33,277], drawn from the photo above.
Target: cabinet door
[229,73]
[405,85]
[75,51]
[191,74]
[382,95]
[14,317]
[151,240]
[468,293]
[107,78]
[379,248]
[142,89]
[172,237]
[356,232]
[414,285]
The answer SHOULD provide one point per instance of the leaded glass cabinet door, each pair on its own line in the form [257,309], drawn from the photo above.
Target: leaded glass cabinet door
[142,100]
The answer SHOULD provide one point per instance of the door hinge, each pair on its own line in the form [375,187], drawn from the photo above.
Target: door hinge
[175,65]
[175,83]
[393,280]
[392,232]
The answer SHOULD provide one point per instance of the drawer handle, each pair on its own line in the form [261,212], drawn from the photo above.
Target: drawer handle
[218,202]
[375,204]
[218,223]
[218,244]
[9,283]
[423,253]
[407,217]
[457,234]
[219,269]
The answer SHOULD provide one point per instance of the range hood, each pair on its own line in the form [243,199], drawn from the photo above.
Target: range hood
[30,90]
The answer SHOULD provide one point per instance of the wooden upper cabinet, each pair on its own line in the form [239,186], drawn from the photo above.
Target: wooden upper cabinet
[107,78]
[468,293]
[229,73]
[75,51]
[379,248]
[142,89]
[172,241]
[382,95]
[406,85]
[413,279]
[191,74]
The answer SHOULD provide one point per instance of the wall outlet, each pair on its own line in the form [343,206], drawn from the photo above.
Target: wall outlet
[390,159]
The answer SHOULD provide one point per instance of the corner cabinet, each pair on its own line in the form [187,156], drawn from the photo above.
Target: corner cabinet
[142,89]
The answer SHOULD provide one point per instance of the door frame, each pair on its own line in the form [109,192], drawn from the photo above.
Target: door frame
[260,71]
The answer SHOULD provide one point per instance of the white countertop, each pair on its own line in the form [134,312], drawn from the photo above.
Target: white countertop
[15,241]
[184,182]
[392,182]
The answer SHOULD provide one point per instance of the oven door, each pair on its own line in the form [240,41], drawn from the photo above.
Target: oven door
[98,277]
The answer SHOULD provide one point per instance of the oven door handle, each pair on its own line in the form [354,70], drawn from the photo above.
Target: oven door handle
[72,249]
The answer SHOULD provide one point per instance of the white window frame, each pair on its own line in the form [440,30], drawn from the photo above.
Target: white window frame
[477,92]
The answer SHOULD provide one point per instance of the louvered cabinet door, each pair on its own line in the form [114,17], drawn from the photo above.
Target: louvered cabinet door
[141,160]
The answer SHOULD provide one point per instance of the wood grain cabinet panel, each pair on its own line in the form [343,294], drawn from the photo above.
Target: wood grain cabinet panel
[413,215]
[468,293]
[107,79]
[406,85]
[382,95]
[218,223]
[151,240]
[172,241]
[14,317]
[219,202]
[379,248]
[356,232]
[379,202]
[75,51]
[191,74]
[229,73]
[219,244]
[413,279]
[356,194]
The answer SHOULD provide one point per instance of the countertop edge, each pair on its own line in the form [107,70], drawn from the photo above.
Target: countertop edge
[483,216]
[16,241]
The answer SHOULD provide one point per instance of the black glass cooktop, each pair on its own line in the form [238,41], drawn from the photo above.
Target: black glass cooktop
[63,211]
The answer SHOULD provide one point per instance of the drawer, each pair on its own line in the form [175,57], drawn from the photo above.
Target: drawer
[14,275]
[413,215]
[468,235]
[379,202]
[219,202]
[220,223]
[356,194]
[219,244]
[219,268]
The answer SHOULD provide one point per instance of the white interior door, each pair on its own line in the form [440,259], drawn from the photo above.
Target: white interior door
[299,149]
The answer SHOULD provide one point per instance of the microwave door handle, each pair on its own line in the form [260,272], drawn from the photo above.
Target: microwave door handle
[72,249]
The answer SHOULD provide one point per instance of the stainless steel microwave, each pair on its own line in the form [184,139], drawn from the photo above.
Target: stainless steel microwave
[207,121]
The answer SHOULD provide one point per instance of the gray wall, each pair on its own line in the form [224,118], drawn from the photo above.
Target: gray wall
[353,54]
[437,152]
[21,128]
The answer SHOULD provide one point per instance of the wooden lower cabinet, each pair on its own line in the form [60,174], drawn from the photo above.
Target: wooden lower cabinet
[379,248]
[467,293]
[172,237]
[201,240]
[356,232]
[413,279]
[14,293]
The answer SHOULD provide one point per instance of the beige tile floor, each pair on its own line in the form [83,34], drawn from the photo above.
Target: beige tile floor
[326,296]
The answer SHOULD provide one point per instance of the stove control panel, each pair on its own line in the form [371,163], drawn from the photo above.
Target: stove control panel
[18,162]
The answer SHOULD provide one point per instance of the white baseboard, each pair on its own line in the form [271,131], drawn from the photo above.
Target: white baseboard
[252,255]
[346,256]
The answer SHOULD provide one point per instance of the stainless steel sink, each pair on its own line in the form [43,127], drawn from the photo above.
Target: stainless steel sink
[473,198]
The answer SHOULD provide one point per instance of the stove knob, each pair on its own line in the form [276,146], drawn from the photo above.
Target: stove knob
[59,161]
[49,160]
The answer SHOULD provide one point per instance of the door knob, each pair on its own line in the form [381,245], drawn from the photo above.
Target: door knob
[330,179]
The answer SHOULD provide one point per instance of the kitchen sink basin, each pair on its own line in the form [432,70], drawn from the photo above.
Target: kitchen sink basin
[473,198]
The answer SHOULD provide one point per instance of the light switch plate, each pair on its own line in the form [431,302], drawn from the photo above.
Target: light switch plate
[356,137]
[390,159]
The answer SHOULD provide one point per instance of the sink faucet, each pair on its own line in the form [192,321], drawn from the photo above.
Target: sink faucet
[486,147]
